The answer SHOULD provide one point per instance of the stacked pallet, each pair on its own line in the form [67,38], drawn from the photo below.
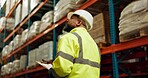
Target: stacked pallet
[100,31]
[134,20]
[8,23]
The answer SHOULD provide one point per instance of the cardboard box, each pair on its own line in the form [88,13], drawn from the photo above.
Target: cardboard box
[100,31]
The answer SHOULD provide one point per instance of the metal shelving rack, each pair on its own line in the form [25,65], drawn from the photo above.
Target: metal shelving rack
[51,27]
[113,49]
[118,47]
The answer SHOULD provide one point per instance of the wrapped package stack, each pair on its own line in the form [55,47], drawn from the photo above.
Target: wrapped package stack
[18,14]
[32,58]
[46,51]
[17,41]
[25,8]
[34,29]
[65,6]
[5,51]
[15,66]
[8,7]
[10,68]
[24,36]
[101,31]
[133,19]
[11,46]
[9,23]
[3,69]
[46,21]
[33,4]
[23,61]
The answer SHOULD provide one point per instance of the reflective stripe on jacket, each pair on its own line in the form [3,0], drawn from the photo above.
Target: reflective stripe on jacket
[78,56]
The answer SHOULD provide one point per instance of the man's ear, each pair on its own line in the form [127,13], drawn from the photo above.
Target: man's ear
[78,23]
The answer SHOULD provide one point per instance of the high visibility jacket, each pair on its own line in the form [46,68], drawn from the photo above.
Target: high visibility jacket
[78,56]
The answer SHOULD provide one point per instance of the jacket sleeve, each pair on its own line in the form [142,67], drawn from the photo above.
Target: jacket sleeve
[63,63]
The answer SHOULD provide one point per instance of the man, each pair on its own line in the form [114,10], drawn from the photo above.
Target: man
[78,55]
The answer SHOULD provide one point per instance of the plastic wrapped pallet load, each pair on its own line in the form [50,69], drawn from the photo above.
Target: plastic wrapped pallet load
[18,14]
[3,70]
[34,29]
[63,3]
[65,6]
[133,17]
[33,4]
[24,36]
[32,58]
[2,22]
[5,51]
[25,8]
[23,61]
[11,45]
[8,6]
[38,54]
[9,25]
[60,14]
[9,68]
[17,41]
[16,66]
[135,23]
[47,51]
[46,21]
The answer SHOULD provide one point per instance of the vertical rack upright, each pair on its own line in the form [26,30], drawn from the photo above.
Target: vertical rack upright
[113,38]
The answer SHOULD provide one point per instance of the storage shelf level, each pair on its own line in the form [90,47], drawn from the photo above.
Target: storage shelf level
[51,27]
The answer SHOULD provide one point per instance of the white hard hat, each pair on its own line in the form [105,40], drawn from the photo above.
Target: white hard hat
[85,15]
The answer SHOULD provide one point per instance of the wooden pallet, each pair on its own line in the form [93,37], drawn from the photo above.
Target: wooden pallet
[103,45]
[134,34]
[23,69]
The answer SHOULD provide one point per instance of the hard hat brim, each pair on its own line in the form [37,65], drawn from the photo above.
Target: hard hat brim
[69,15]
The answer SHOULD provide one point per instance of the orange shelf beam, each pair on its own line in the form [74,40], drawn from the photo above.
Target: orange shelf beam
[39,68]
[139,54]
[12,9]
[125,75]
[51,27]
[22,23]
[125,45]
[136,74]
